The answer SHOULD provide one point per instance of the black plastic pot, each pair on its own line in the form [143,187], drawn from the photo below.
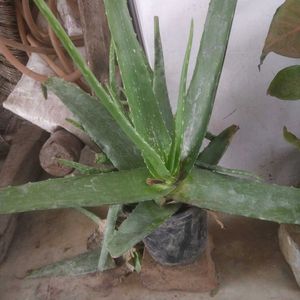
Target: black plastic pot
[180,240]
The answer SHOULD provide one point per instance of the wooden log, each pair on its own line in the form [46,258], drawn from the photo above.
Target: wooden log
[21,165]
[61,145]
[96,36]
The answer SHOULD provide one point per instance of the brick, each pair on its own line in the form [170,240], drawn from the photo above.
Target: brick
[199,276]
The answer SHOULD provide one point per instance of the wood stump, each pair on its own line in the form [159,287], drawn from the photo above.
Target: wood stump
[61,145]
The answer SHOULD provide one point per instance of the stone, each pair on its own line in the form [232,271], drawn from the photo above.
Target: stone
[28,102]
[289,242]
[199,276]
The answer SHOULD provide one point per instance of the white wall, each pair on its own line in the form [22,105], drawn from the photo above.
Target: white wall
[241,98]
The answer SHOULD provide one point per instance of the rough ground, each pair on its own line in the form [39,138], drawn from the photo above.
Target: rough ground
[247,256]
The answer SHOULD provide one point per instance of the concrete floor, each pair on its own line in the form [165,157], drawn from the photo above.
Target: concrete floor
[248,260]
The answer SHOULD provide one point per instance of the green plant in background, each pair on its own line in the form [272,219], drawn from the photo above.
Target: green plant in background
[158,156]
[284,39]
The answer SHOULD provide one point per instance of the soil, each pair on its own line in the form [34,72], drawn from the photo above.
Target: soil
[247,256]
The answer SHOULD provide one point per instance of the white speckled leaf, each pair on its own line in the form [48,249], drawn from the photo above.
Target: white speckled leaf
[159,80]
[201,94]
[238,196]
[152,154]
[137,79]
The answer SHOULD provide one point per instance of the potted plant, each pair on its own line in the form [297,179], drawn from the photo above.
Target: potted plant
[283,38]
[159,167]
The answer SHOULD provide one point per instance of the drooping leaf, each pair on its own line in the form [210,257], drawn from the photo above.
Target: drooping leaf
[175,153]
[136,78]
[80,265]
[284,33]
[286,84]
[201,93]
[159,80]
[291,138]
[112,216]
[79,191]
[157,165]
[105,261]
[213,153]
[93,217]
[237,196]
[144,219]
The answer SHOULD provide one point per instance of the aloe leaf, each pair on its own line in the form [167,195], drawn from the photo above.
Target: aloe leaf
[230,172]
[80,265]
[202,90]
[112,68]
[73,122]
[89,215]
[137,79]
[215,150]
[137,258]
[159,80]
[179,118]
[112,107]
[144,219]
[209,136]
[92,190]
[284,33]
[98,123]
[291,138]
[237,196]
[111,220]
[83,169]
[286,84]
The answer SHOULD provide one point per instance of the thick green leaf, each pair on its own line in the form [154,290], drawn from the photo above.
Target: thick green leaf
[159,80]
[112,216]
[174,159]
[236,196]
[286,84]
[156,165]
[98,123]
[112,68]
[201,94]
[136,78]
[213,153]
[104,130]
[80,265]
[284,33]
[291,138]
[92,190]
[144,219]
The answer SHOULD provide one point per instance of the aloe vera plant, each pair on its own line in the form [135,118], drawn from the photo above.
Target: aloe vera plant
[158,157]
